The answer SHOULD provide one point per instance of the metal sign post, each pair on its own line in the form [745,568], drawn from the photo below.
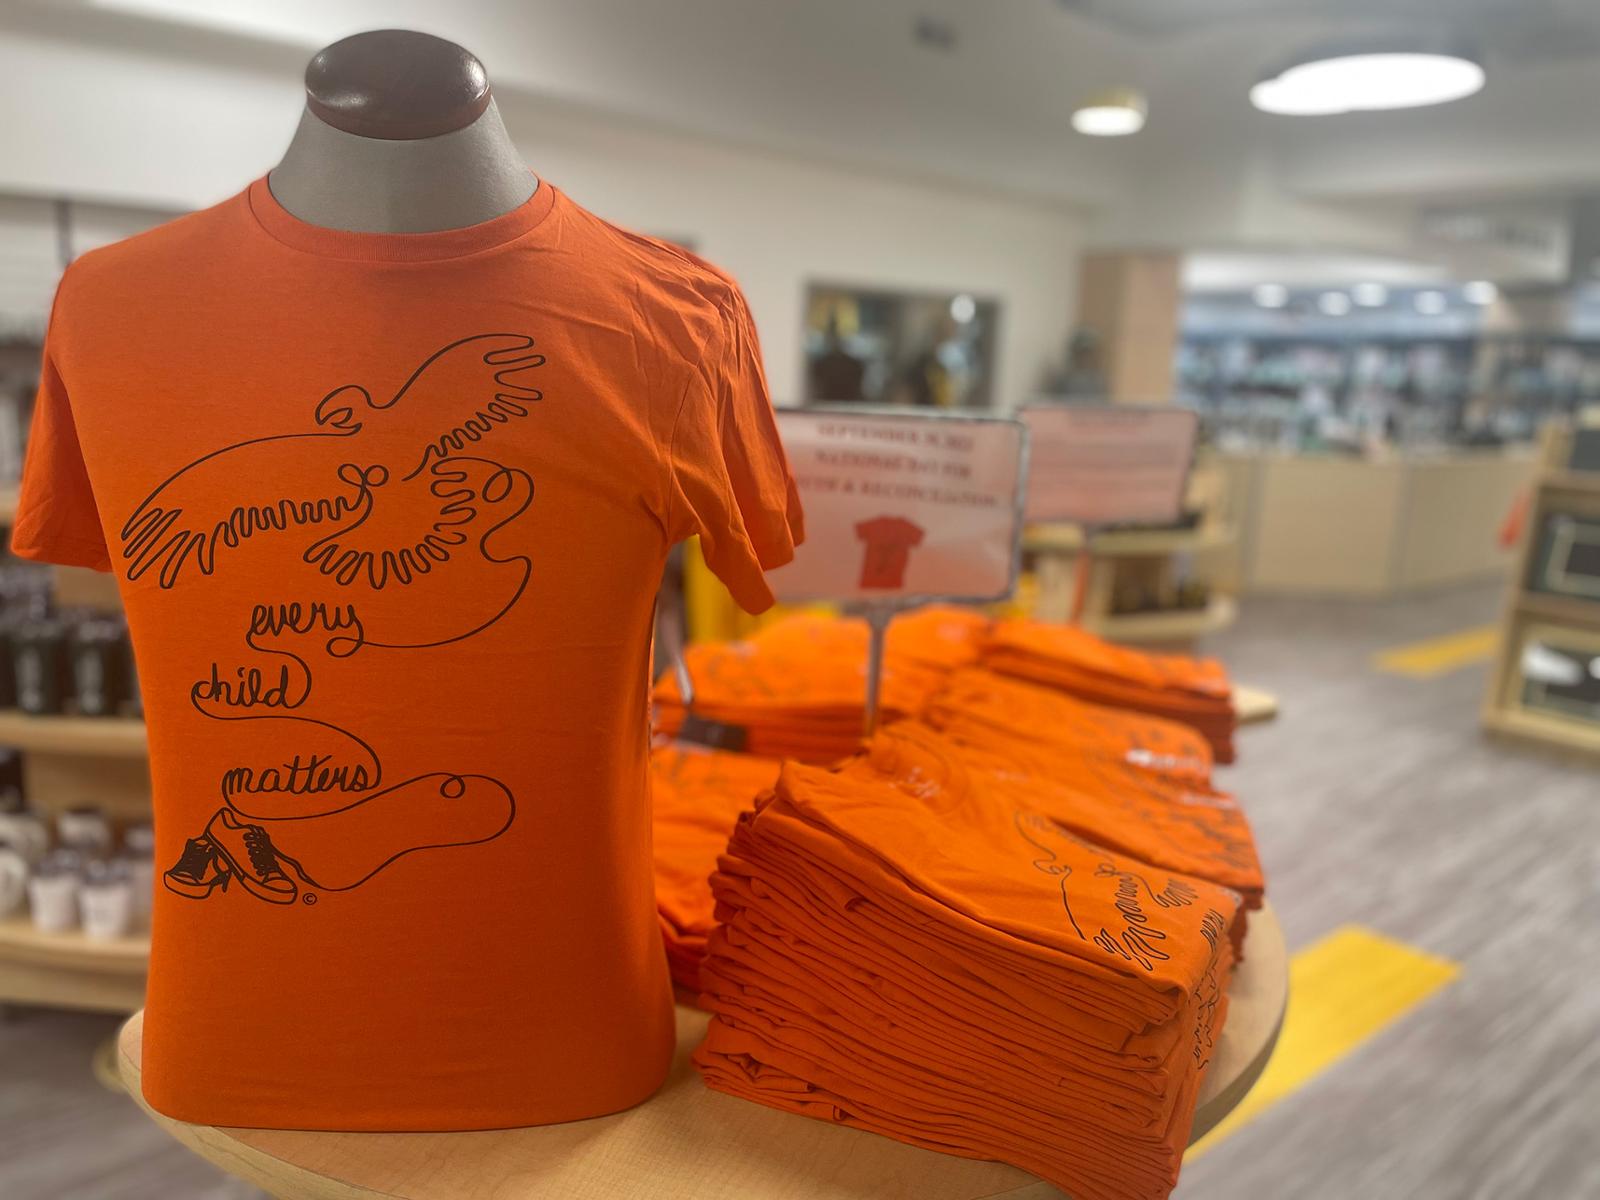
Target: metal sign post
[1082,572]
[878,617]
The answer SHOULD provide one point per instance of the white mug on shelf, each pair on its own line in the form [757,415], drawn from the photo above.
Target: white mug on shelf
[27,833]
[106,901]
[13,880]
[53,892]
[85,829]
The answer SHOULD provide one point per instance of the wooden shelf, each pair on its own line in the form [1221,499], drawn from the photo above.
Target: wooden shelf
[1571,481]
[1128,543]
[70,970]
[8,505]
[1547,729]
[98,737]
[1565,610]
[1181,626]
[1253,706]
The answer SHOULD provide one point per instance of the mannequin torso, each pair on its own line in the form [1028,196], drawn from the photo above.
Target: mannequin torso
[400,135]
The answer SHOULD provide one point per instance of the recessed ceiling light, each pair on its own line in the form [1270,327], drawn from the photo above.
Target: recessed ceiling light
[1431,304]
[1270,295]
[963,308]
[1480,291]
[1370,295]
[1370,78]
[1333,304]
[1115,113]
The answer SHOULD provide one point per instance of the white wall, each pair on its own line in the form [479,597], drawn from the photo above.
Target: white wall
[131,127]
[777,223]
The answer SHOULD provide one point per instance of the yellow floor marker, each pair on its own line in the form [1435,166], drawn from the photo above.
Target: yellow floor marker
[1343,990]
[1437,656]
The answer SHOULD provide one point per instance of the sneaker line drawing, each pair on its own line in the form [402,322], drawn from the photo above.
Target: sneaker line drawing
[198,871]
[247,851]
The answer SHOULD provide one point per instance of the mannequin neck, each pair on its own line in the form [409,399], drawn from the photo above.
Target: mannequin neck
[374,185]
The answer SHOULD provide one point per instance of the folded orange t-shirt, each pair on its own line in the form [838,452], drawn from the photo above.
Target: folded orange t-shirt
[697,796]
[1179,826]
[976,704]
[1075,993]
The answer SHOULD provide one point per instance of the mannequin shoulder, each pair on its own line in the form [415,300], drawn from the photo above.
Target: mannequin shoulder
[197,236]
[667,267]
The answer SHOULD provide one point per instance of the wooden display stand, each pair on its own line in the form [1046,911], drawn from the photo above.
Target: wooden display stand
[1556,489]
[688,1142]
[1143,557]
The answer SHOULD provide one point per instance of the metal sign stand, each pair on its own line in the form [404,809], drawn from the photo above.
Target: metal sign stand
[877,617]
[1083,571]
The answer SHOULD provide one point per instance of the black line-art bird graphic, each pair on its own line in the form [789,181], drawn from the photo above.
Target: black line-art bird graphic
[393,483]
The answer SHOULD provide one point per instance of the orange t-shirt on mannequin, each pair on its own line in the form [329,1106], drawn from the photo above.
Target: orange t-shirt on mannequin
[386,513]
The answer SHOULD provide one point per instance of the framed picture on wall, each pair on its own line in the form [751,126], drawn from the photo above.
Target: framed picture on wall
[905,349]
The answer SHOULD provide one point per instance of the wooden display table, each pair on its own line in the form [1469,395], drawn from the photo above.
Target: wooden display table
[1253,706]
[690,1143]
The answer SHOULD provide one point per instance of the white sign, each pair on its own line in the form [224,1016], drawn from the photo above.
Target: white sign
[904,506]
[1109,464]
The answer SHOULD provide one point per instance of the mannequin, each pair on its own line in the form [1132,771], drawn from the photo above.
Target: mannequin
[400,135]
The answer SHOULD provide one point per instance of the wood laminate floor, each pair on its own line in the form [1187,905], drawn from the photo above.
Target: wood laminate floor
[1376,802]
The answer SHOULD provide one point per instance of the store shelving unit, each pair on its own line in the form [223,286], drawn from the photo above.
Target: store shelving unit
[92,737]
[69,761]
[1556,489]
[1115,555]
[1165,628]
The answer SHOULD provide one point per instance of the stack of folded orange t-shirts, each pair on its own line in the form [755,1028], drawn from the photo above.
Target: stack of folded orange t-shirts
[907,949]
[1177,825]
[697,796]
[797,688]
[976,704]
[1194,691]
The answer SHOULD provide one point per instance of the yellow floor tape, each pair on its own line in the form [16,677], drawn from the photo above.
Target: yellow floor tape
[1437,656]
[1343,990]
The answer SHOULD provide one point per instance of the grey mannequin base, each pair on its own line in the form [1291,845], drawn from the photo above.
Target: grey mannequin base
[374,185]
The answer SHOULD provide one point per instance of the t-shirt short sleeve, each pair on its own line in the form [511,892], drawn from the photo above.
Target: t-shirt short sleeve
[56,519]
[731,479]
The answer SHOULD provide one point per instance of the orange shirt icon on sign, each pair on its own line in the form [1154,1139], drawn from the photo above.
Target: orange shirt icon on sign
[890,541]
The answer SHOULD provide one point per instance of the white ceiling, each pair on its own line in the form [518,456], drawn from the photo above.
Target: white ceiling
[848,80]
[1513,29]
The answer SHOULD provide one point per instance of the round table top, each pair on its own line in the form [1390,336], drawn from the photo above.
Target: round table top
[688,1142]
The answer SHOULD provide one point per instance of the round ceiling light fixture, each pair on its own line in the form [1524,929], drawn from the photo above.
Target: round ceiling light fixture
[1371,78]
[1114,113]
[1270,295]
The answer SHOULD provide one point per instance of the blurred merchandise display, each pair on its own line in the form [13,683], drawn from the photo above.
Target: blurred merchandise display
[76,875]
[1546,681]
[1296,378]
[60,659]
